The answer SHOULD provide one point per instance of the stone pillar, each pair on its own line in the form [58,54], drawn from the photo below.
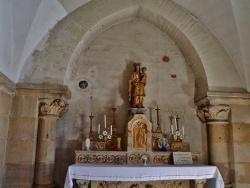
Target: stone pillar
[7,89]
[49,112]
[216,117]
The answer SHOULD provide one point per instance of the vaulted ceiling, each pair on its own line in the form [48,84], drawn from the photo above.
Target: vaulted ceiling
[25,25]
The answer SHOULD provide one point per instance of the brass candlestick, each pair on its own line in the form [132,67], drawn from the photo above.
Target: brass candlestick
[158,129]
[114,123]
[91,136]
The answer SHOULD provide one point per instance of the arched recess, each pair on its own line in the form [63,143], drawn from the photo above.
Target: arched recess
[213,68]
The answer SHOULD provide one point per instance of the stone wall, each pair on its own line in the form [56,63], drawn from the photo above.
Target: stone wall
[6,94]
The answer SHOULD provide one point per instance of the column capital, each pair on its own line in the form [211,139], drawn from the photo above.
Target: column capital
[56,107]
[214,113]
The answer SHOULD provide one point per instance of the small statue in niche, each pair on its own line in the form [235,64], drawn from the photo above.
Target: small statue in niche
[137,84]
[140,138]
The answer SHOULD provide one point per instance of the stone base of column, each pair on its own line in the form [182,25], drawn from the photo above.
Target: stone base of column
[45,186]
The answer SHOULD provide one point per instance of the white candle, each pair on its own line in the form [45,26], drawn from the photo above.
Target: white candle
[110,129]
[172,131]
[183,130]
[105,121]
[175,123]
[99,128]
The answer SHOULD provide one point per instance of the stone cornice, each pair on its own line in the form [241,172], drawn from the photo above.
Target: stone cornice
[6,84]
[212,94]
[44,88]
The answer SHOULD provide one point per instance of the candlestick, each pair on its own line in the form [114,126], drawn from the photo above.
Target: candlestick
[172,131]
[183,130]
[99,127]
[110,129]
[158,129]
[158,119]
[91,136]
[114,123]
[105,121]
[175,123]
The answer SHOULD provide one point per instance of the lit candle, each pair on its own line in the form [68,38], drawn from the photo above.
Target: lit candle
[98,128]
[183,130]
[110,129]
[105,121]
[172,131]
[175,123]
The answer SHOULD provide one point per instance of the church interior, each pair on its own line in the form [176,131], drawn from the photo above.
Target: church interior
[129,78]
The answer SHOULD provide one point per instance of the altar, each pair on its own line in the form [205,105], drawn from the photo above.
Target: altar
[140,154]
[138,173]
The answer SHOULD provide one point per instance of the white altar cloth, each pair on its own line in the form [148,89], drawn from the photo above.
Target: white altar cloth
[143,173]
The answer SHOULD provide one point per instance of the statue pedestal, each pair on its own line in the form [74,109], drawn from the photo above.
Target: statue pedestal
[133,111]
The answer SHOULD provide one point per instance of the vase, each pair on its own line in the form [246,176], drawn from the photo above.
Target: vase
[118,144]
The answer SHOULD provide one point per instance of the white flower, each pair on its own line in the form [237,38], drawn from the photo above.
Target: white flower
[177,133]
[100,136]
[105,133]
[109,136]
[182,137]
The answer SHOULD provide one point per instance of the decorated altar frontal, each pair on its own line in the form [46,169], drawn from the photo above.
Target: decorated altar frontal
[139,173]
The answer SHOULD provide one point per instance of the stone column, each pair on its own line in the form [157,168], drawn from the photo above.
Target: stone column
[216,117]
[49,112]
[7,89]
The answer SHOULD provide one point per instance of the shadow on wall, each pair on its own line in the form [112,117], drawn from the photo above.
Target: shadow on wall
[65,156]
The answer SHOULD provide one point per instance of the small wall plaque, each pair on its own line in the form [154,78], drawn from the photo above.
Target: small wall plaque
[182,158]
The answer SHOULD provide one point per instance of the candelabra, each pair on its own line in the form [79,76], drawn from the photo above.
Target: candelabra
[105,136]
[176,134]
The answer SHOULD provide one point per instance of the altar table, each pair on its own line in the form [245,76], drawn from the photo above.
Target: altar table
[103,172]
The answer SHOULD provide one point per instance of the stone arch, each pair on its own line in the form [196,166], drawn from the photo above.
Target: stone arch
[212,67]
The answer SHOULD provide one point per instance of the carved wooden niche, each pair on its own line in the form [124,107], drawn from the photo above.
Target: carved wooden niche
[139,133]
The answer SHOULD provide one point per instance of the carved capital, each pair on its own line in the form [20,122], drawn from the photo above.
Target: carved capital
[202,103]
[83,183]
[214,113]
[200,183]
[56,107]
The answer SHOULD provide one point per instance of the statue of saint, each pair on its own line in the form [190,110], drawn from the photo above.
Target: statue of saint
[137,84]
[143,81]
[87,143]
[140,138]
